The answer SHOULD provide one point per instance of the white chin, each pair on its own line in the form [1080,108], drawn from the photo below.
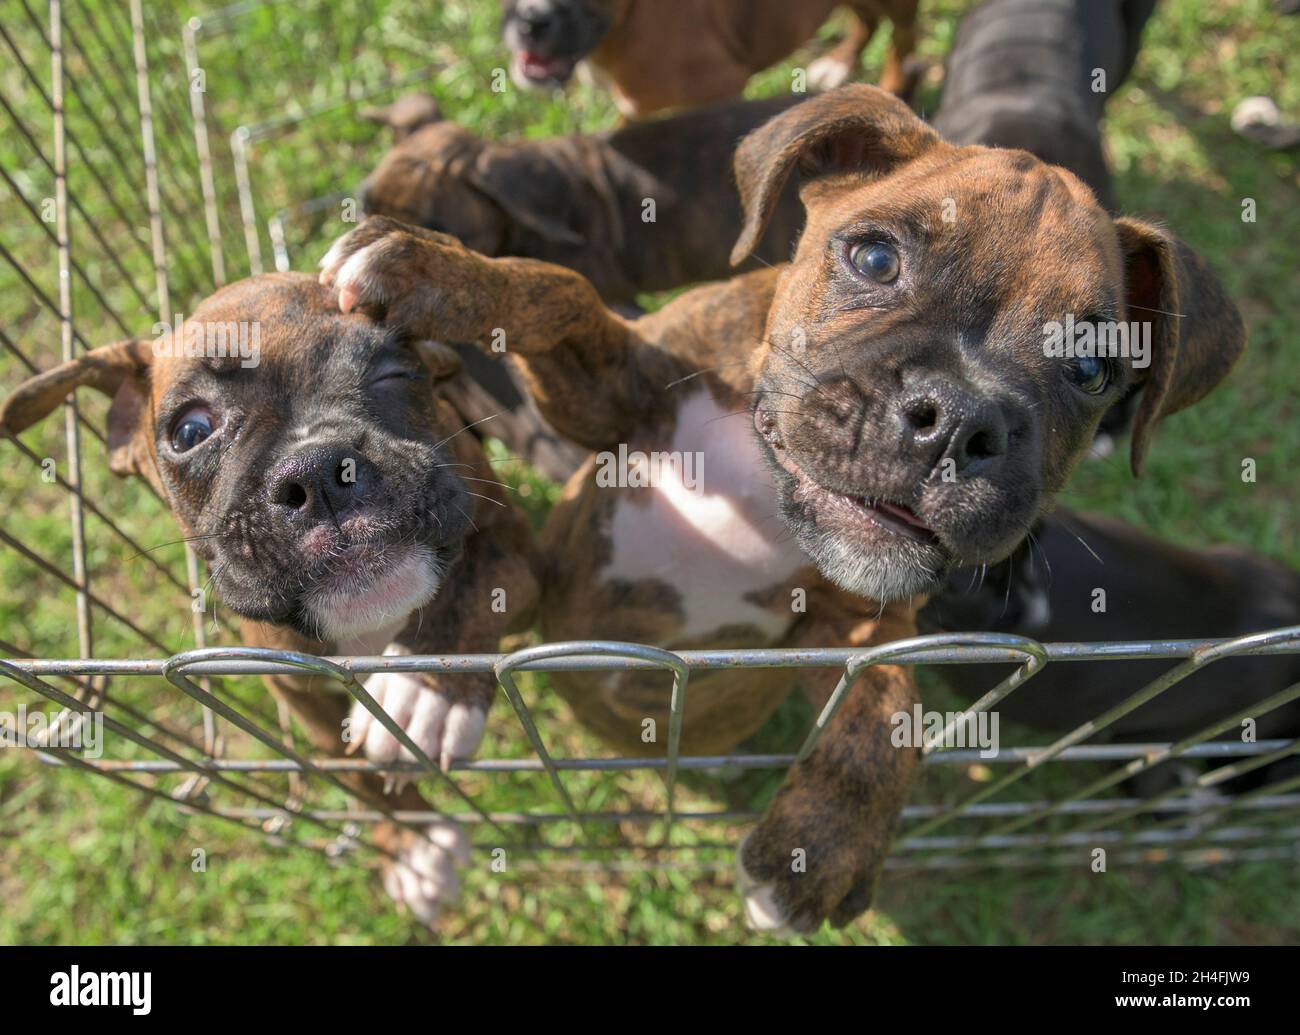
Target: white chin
[352,607]
[884,575]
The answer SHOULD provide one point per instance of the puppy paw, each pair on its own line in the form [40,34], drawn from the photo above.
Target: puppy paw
[828,72]
[422,281]
[792,877]
[422,878]
[445,725]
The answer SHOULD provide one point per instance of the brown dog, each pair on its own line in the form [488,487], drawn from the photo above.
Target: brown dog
[696,51]
[892,381]
[648,207]
[348,518]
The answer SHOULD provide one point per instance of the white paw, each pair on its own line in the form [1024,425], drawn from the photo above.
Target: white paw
[423,877]
[443,727]
[761,910]
[827,72]
[355,279]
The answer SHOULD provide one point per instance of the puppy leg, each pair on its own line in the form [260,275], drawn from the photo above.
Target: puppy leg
[817,853]
[592,376]
[418,869]
[839,64]
[899,76]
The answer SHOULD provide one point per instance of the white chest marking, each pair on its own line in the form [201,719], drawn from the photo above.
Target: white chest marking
[708,525]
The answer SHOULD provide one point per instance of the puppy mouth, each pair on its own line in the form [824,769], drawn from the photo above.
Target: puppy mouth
[845,512]
[362,587]
[544,69]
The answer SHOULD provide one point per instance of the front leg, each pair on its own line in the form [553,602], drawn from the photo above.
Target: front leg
[418,869]
[592,376]
[817,853]
[489,591]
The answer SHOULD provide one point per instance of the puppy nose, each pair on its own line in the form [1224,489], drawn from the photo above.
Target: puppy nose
[321,482]
[943,421]
[535,22]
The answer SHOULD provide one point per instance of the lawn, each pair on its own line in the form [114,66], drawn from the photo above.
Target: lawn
[85,859]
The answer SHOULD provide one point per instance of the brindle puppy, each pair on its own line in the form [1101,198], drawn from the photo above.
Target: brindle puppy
[583,200]
[892,382]
[323,479]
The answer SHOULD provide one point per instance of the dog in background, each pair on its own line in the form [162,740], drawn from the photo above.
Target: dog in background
[657,57]
[1153,591]
[890,350]
[1036,75]
[339,509]
[648,207]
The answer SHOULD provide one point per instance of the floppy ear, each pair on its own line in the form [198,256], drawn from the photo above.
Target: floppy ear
[1196,332]
[441,360]
[854,127]
[534,192]
[120,371]
[406,114]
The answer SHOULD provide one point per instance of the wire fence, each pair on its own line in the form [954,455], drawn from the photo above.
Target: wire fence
[147,159]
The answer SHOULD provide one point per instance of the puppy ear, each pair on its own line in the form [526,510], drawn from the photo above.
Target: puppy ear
[406,114]
[855,127]
[528,188]
[1196,332]
[120,371]
[441,360]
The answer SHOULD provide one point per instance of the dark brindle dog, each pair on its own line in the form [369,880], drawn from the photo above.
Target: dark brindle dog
[648,207]
[892,382]
[339,510]
[1153,591]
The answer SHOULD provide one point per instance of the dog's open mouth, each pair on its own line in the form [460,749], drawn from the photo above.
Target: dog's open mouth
[544,68]
[846,513]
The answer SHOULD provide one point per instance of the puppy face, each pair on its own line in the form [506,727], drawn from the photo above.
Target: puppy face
[430,179]
[547,38]
[495,198]
[910,398]
[311,467]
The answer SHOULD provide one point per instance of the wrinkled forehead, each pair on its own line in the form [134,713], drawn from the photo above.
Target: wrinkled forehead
[992,224]
[277,330]
[1003,206]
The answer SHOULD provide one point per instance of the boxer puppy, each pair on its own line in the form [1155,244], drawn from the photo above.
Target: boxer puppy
[648,207]
[1153,591]
[326,484]
[1036,74]
[698,51]
[888,393]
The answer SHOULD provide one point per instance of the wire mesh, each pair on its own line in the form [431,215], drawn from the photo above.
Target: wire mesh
[136,182]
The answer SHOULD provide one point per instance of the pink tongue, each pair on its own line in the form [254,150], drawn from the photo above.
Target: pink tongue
[900,513]
[548,66]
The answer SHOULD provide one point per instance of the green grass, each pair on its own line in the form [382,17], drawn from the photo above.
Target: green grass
[87,860]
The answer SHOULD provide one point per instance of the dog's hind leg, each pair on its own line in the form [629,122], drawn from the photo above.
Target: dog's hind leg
[839,64]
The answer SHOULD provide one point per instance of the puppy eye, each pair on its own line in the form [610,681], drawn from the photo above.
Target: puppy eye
[392,377]
[191,428]
[1089,374]
[877,260]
